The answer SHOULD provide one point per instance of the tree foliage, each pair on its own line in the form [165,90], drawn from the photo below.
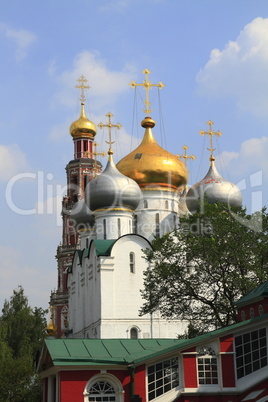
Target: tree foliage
[22,331]
[199,271]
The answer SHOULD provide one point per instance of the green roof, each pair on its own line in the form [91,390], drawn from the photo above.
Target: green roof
[89,352]
[257,293]
[105,351]
[103,247]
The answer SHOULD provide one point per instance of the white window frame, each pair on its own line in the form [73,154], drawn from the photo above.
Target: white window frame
[119,391]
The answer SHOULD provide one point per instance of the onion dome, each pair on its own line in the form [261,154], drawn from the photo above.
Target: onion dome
[83,127]
[81,216]
[215,189]
[112,190]
[51,328]
[152,166]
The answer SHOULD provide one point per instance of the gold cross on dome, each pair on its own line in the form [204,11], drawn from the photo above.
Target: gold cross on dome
[147,86]
[109,125]
[211,134]
[95,153]
[185,156]
[82,81]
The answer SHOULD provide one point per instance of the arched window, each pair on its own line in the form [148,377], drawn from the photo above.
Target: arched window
[166,204]
[87,243]
[207,366]
[157,226]
[135,224]
[133,333]
[145,204]
[119,227]
[104,229]
[103,387]
[132,262]
[101,391]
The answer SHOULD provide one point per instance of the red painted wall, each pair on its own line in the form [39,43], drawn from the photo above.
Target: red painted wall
[227,361]
[140,382]
[72,384]
[189,369]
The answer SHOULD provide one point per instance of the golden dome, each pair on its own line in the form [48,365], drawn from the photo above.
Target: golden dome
[83,127]
[51,328]
[152,166]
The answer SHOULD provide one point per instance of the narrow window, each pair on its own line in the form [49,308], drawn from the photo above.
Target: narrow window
[157,226]
[133,333]
[87,243]
[119,227]
[207,366]
[132,262]
[145,204]
[104,229]
[135,224]
[166,204]
[175,221]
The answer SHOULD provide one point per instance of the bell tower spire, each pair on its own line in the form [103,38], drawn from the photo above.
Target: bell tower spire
[80,170]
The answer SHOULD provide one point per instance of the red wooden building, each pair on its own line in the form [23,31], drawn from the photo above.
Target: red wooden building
[227,365]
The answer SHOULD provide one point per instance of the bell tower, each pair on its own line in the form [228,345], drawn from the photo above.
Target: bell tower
[80,170]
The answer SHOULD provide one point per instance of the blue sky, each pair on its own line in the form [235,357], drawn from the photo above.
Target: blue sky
[212,56]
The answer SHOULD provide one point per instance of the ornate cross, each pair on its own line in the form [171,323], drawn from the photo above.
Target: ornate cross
[185,156]
[210,133]
[95,153]
[82,80]
[147,86]
[109,125]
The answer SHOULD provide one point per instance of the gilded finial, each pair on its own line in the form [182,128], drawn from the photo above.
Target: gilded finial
[211,133]
[51,328]
[147,86]
[109,125]
[82,81]
[185,156]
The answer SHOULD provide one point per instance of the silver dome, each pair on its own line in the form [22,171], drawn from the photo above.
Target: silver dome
[215,189]
[112,189]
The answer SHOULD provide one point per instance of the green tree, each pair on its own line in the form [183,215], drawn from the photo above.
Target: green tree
[22,331]
[199,271]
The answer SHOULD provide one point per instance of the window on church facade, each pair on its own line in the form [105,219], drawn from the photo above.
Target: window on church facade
[104,229]
[251,352]
[145,204]
[157,226]
[162,377]
[132,262]
[133,333]
[119,227]
[135,224]
[207,366]
[166,204]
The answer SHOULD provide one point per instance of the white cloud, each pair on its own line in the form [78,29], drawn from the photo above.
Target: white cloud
[22,38]
[106,85]
[240,70]
[12,161]
[252,156]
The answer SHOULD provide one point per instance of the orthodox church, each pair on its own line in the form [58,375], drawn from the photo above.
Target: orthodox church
[99,347]
[109,218]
